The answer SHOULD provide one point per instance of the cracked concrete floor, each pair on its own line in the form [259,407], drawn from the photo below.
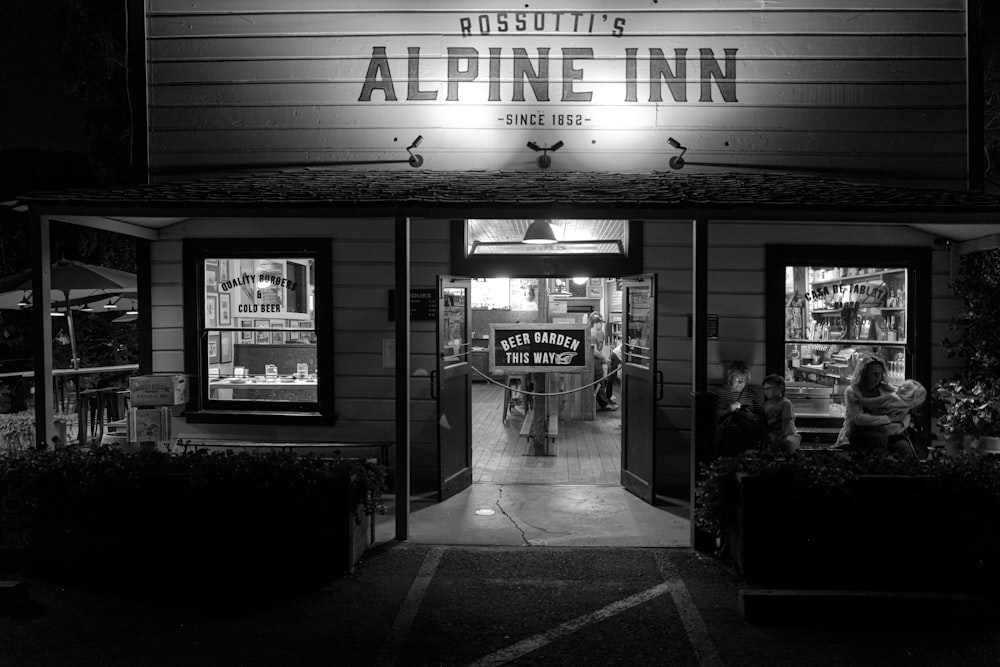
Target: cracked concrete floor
[541,515]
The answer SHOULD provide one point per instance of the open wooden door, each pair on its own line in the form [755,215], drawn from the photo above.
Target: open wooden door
[639,385]
[454,385]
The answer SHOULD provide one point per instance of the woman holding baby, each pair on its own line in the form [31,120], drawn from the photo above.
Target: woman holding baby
[876,414]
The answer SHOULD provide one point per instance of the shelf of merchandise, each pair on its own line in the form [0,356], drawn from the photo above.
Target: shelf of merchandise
[859,277]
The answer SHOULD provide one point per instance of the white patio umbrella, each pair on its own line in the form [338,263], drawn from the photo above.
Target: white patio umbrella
[74,285]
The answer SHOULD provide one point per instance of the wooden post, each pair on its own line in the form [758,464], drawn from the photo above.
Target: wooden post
[41,318]
[540,425]
[402,480]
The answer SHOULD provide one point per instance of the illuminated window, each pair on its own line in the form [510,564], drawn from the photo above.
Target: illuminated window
[831,308]
[259,338]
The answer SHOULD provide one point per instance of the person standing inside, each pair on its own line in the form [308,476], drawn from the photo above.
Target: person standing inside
[613,365]
[601,354]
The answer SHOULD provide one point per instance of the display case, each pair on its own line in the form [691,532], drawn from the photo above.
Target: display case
[834,318]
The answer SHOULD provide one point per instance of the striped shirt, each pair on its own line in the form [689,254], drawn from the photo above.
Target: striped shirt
[747,396]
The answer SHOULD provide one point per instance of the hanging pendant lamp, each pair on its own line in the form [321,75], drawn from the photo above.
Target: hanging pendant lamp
[539,233]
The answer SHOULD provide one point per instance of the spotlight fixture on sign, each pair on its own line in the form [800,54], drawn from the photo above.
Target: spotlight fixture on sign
[25,301]
[544,161]
[415,160]
[539,233]
[677,161]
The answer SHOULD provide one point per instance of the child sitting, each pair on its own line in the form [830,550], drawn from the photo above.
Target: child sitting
[782,435]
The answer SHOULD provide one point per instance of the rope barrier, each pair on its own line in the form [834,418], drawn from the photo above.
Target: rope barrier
[542,393]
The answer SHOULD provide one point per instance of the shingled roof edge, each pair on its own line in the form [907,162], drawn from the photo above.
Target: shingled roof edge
[399,192]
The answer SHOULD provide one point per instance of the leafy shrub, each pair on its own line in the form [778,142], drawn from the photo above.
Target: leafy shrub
[825,478]
[184,520]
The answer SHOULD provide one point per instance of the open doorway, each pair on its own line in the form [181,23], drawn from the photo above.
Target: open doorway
[587,447]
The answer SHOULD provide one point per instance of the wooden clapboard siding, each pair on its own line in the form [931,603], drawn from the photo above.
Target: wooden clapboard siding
[872,90]
[364,271]
[667,252]
[736,270]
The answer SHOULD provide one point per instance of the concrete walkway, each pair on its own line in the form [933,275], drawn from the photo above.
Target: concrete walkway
[542,515]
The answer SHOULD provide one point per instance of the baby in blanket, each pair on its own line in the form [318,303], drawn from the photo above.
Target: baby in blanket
[897,405]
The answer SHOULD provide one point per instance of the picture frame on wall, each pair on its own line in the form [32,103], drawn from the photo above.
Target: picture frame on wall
[223,270]
[246,337]
[213,348]
[225,347]
[225,314]
[262,337]
[211,311]
[308,336]
[277,337]
[211,276]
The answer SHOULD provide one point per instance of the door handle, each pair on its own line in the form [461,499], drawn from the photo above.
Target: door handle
[659,385]
[433,378]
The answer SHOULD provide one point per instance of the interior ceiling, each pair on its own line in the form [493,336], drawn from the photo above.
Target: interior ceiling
[512,231]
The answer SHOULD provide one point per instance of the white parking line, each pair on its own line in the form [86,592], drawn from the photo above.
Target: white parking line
[408,611]
[542,639]
[694,624]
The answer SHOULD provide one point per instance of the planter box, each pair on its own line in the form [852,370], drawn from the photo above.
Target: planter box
[180,534]
[901,533]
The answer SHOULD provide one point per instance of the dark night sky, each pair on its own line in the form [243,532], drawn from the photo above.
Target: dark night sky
[36,111]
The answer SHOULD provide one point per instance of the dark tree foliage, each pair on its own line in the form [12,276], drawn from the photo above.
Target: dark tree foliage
[991,94]
[94,50]
[91,37]
[976,340]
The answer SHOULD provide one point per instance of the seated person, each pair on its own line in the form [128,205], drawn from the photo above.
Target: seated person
[740,412]
[782,436]
[876,415]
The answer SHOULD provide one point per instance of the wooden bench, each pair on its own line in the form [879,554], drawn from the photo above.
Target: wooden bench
[328,448]
[551,434]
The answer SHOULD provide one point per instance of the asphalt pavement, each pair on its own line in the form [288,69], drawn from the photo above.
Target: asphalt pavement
[422,604]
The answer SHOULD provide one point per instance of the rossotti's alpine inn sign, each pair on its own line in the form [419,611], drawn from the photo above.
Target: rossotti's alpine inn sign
[553,74]
[736,83]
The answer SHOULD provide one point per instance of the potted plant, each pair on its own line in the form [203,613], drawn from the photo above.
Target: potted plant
[17,431]
[968,412]
[966,407]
